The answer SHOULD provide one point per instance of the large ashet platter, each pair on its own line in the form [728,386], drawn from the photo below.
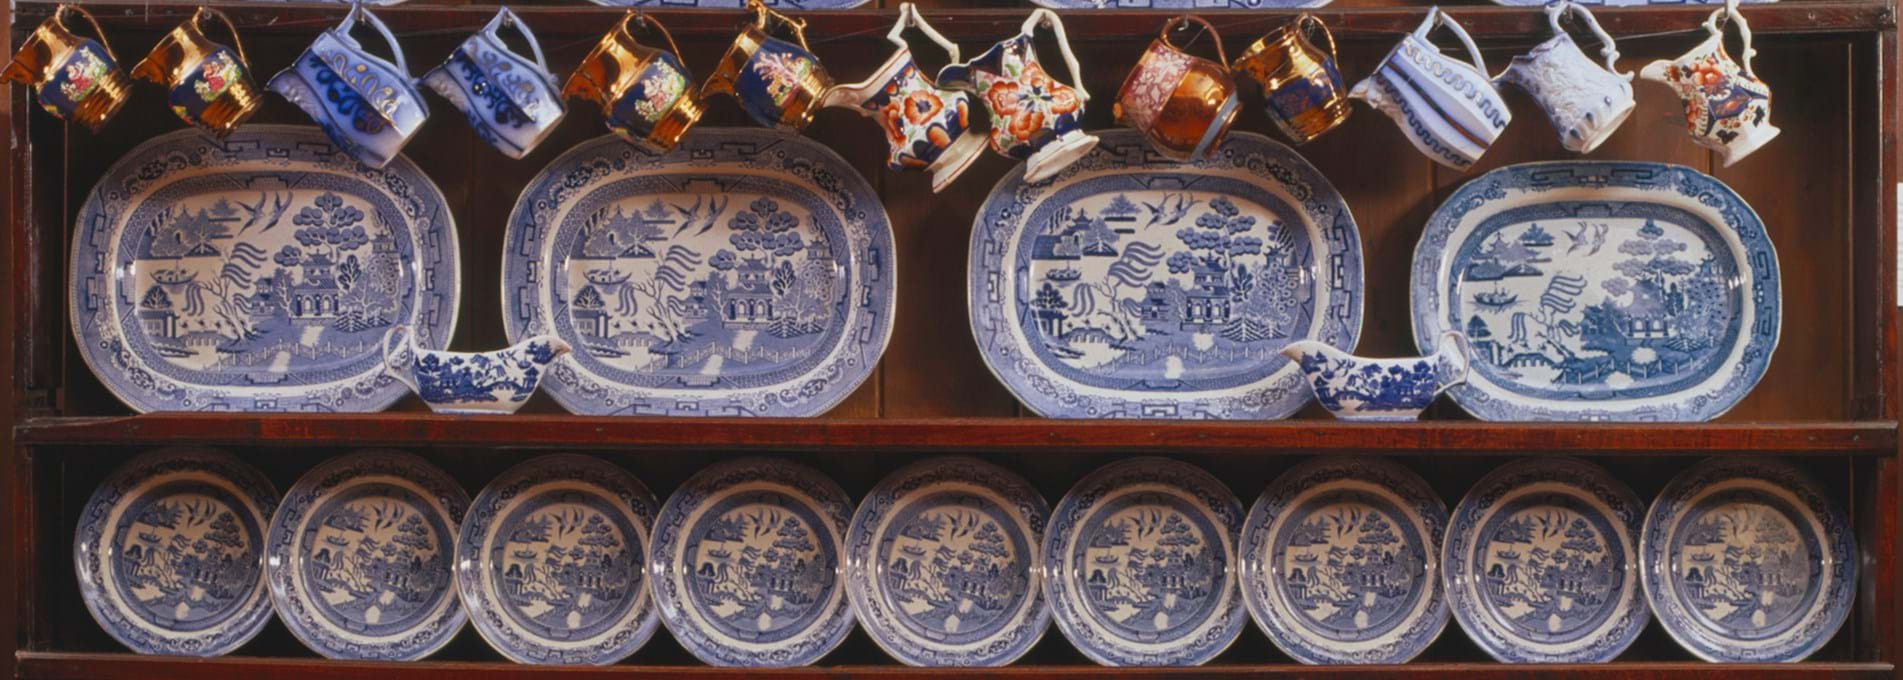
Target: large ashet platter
[746,273]
[1133,286]
[1600,290]
[257,273]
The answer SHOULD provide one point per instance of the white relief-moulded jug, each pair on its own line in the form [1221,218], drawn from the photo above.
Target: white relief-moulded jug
[1585,102]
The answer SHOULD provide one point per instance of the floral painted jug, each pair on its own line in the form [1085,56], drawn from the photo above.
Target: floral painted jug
[1585,102]
[1033,117]
[1727,108]
[1448,108]
[76,78]
[1182,103]
[778,82]
[369,106]
[927,126]
[510,100]
[645,94]
[497,382]
[1359,388]
[210,83]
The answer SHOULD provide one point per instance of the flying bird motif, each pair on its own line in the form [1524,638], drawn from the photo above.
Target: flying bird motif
[1166,213]
[1580,240]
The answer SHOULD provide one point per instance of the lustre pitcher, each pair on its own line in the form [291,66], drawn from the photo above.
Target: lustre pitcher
[210,83]
[777,82]
[1301,87]
[1182,103]
[645,94]
[76,78]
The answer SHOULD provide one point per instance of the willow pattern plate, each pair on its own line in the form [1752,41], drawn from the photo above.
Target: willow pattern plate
[943,564]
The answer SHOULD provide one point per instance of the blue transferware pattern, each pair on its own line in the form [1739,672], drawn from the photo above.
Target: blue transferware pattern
[1600,290]
[511,102]
[943,564]
[369,106]
[170,553]
[1133,286]
[1748,560]
[1541,563]
[1340,562]
[549,562]
[747,272]
[1140,564]
[1447,108]
[500,381]
[257,273]
[359,557]
[1360,388]
[747,564]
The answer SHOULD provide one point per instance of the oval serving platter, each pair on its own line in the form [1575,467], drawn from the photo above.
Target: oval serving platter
[1600,290]
[257,273]
[1541,563]
[549,562]
[1748,560]
[1140,564]
[747,564]
[943,564]
[1340,562]
[170,553]
[746,273]
[1131,286]
[359,557]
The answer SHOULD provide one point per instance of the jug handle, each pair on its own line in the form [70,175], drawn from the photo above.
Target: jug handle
[1608,49]
[1046,16]
[1436,16]
[1307,21]
[390,366]
[763,15]
[643,19]
[507,17]
[396,50]
[237,43]
[908,17]
[100,33]
[1180,19]
[1716,25]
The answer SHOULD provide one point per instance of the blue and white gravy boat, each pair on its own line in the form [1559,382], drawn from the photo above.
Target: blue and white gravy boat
[1360,388]
[498,381]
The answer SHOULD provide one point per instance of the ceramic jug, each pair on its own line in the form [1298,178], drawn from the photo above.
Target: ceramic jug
[1585,102]
[1447,108]
[928,127]
[76,78]
[1301,87]
[1726,107]
[777,82]
[1183,104]
[1360,388]
[645,94]
[471,382]
[510,100]
[369,106]
[1033,117]
[210,83]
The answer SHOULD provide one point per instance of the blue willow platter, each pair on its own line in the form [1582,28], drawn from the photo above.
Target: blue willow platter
[550,561]
[747,564]
[1600,290]
[170,553]
[1133,286]
[1140,564]
[358,557]
[746,273]
[943,564]
[257,273]
[1340,562]
[1541,563]
[1748,560]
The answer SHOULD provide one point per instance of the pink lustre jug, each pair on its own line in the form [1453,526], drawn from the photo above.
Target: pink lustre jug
[1033,116]
[1726,107]
[926,125]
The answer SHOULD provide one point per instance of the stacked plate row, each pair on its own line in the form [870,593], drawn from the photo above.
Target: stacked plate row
[568,559]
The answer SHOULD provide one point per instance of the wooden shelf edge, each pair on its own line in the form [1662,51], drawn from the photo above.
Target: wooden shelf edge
[953,434]
[72,666]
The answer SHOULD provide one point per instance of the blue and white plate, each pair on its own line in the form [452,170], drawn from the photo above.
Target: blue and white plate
[1748,560]
[1340,562]
[257,273]
[1600,290]
[747,564]
[746,273]
[1541,563]
[170,553]
[1132,286]
[550,561]
[943,564]
[359,557]
[1140,564]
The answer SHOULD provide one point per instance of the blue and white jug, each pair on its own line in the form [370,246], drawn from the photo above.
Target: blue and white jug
[497,382]
[1359,388]
[369,106]
[1448,108]
[511,101]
